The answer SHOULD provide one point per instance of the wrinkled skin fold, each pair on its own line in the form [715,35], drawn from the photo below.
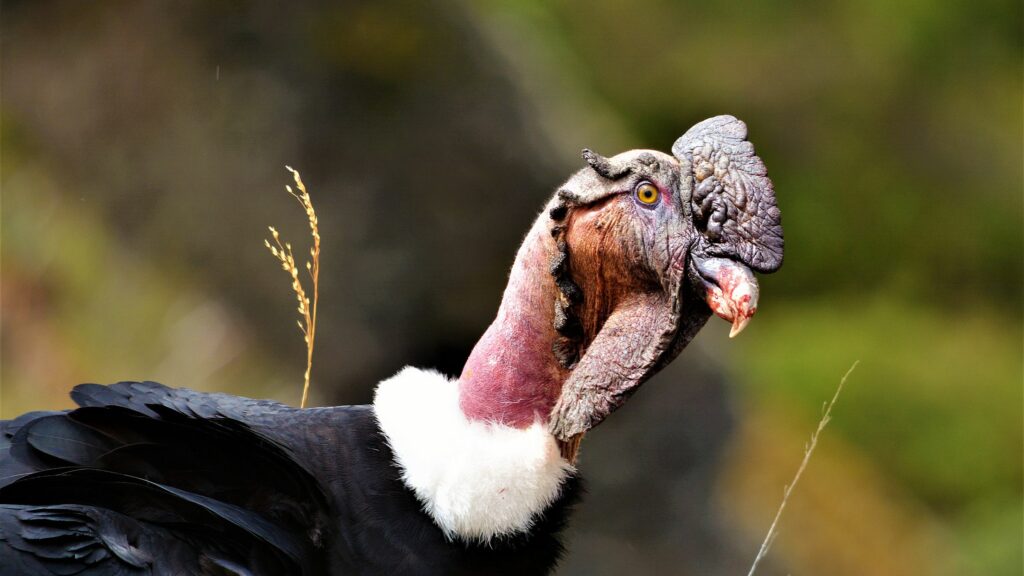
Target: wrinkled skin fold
[650,275]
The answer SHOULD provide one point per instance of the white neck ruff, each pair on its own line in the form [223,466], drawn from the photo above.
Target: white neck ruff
[477,480]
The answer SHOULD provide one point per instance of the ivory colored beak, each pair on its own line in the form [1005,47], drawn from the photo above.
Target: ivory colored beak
[732,292]
[738,324]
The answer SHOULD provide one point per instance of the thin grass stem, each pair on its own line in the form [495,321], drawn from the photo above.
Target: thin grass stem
[286,258]
[808,451]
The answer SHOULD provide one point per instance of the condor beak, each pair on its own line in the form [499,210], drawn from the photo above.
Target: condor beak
[731,290]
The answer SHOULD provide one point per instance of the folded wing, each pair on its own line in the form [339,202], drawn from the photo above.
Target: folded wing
[145,479]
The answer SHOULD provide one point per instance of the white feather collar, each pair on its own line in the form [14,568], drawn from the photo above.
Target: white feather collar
[477,480]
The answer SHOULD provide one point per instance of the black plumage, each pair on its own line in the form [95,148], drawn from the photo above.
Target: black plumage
[620,271]
[146,479]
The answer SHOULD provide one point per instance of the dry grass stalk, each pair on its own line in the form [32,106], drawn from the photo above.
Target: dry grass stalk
[283,253]
[808,450]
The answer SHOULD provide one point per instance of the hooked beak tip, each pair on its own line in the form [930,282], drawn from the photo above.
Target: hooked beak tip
[739,323]
[732,294]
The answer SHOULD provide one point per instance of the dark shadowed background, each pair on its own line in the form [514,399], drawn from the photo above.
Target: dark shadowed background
[143,154]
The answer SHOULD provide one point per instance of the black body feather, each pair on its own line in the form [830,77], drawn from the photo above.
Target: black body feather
[146,479]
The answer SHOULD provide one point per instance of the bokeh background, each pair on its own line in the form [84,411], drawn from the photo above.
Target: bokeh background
[143,154]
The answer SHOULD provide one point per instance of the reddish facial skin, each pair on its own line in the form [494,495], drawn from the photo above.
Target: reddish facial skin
[512,377]
[630,259]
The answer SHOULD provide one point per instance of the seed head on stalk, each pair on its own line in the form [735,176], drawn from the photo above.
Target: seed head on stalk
[285,257]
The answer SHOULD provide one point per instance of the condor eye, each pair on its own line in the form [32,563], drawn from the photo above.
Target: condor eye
[647,193]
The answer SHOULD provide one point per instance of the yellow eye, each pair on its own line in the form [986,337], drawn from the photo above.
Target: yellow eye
[647,193]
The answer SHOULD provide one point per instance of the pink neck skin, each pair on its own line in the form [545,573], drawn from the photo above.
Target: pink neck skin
[512,376]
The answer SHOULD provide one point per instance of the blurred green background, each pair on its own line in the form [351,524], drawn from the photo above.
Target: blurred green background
[143,153]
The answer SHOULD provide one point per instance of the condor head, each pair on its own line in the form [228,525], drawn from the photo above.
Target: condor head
[647,247]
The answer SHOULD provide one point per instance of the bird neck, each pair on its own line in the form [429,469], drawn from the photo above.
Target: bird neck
[512,377]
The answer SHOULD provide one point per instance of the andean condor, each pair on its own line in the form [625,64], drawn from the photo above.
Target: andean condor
[473,475]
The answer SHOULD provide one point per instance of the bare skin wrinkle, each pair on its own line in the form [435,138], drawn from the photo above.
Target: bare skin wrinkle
[607,289]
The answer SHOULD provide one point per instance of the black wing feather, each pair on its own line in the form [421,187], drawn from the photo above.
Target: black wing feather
[145,479]
[155,465]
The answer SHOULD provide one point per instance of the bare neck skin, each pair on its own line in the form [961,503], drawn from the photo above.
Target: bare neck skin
[512,377]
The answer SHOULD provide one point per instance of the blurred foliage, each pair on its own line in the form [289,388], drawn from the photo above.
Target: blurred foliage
[846,516]
[919,380]
[142,146]
[77,307]
[936,404]
[869,115]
